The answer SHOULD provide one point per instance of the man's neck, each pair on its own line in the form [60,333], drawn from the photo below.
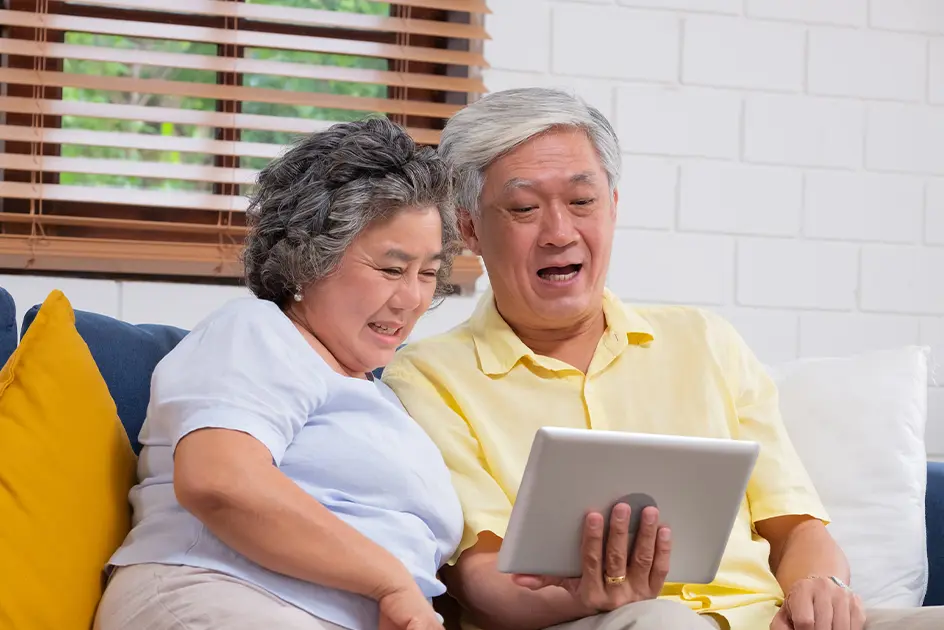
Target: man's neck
[573,344]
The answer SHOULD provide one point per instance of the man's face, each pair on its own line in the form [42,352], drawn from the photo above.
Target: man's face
[545,230]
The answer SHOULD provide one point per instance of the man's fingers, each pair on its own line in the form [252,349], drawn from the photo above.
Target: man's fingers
[644,548]
[592,548]
[661,560]
[857,618]
[800,609]
[842,613]
[781,621]
[617,545]
[822,610]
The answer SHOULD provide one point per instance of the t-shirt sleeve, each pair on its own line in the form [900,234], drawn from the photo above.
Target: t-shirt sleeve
[241,370]
[780,484]
[485,506]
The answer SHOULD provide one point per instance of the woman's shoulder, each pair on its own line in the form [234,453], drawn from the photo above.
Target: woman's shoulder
[240,311]
[245,329]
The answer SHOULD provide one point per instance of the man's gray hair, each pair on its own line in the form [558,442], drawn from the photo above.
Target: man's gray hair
[312,202]
[497,123]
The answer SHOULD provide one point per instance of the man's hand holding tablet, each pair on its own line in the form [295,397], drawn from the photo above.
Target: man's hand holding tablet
[613,575]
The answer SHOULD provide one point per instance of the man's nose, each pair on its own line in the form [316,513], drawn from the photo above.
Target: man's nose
[557,227]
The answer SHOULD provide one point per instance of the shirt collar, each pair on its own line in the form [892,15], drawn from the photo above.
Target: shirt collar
[499,349]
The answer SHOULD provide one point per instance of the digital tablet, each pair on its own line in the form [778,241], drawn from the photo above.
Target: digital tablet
[698,485]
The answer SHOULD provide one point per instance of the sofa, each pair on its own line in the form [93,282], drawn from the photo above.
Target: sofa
[126,354]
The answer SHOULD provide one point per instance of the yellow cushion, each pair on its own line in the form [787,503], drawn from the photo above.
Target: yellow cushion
[66,467]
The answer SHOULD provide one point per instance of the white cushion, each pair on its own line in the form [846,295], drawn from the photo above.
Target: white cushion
[858,425]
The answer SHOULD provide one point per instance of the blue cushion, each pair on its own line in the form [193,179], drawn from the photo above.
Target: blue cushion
[7,325]
[126,355]
[934,505]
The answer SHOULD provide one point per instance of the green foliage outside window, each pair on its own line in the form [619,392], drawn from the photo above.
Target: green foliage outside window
[292,84]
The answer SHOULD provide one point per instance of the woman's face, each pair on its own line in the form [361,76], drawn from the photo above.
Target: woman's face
[385,282]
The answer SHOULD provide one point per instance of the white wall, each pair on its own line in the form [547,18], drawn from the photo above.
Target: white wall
[784,159]
[784,164]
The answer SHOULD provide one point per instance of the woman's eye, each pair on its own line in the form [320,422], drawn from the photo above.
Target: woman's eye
[522,209]
[431,273]
[393,272]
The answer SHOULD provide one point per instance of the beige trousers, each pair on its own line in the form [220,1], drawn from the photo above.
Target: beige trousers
[662,614]
[164,597]
[655,614]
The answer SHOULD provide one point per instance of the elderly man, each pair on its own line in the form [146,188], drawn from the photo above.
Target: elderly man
[537,184]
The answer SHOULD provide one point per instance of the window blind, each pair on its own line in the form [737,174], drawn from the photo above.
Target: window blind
[133,130]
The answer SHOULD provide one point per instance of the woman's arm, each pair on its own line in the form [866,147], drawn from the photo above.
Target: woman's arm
[227,480]
[494,599]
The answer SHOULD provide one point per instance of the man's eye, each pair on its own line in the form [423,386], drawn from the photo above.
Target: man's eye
[393,271]
[583,202]
[522,209]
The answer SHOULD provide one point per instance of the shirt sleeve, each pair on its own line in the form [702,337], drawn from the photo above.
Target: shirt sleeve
[241,370]
[485,506]
[780,484]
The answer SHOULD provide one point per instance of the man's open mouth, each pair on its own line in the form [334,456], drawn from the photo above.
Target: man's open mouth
[559,274]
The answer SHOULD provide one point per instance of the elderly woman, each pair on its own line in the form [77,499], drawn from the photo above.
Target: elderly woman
[281,486]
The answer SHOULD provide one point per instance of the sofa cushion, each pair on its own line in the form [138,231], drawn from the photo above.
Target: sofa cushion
[858,425]
[126,355]
[7,325]
[66,468]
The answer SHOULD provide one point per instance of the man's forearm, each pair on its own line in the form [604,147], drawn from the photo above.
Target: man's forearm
[809,551]
[497,603]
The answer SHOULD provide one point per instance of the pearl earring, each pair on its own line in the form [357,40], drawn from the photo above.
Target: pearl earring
[298,294]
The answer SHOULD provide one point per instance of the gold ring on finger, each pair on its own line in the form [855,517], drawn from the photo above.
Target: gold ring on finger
[615,581]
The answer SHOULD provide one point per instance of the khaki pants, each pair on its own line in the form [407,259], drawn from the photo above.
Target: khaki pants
[668,615]
[164,597]
[655,614]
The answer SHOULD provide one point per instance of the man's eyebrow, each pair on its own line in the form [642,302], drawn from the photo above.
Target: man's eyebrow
[402,256]
[582,178]
[515,183]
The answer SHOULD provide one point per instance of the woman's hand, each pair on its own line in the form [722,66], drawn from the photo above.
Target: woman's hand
[407,609]
[615,578]
[819,604]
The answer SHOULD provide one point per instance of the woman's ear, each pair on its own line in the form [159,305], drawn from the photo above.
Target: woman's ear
[468,228]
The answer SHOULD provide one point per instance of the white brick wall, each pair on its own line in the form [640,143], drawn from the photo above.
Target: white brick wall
[784,159]
[784,165]
[844,12]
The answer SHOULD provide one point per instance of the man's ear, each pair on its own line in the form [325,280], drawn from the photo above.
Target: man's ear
[615,202]
[468,228]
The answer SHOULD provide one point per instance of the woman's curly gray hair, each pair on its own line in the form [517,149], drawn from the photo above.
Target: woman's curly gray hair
[312,202]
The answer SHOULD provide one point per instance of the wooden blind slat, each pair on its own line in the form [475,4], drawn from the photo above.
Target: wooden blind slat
[22,105]
[226,92]
[114,256]
[146,142]
[148,257]
[124,196]
[129,168]
[232,37]
[468,6]
[176,227]
[301,17]
[240,65]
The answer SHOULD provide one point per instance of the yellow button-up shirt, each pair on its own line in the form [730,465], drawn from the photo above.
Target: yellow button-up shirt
[481,395]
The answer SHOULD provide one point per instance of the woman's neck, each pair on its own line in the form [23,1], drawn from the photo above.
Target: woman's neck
[301,324]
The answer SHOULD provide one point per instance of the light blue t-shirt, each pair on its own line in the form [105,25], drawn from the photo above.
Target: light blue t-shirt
[347,442]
